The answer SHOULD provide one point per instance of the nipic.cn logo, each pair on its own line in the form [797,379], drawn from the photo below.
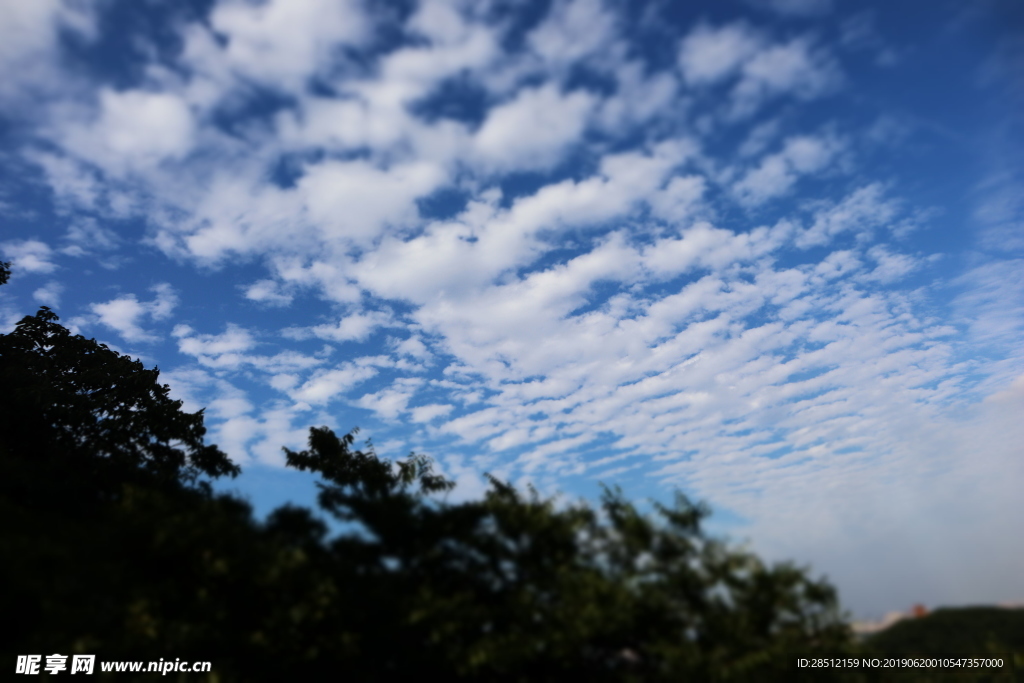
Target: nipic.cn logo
[55,663]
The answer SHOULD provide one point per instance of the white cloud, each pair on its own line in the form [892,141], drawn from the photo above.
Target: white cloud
[244,430]
[356,326]
[837,264]
[862,212]
[49,294]
[991,303]
[125,314]
[213,350]
[236,214]
[72,183]
[679,198]
[441,22]
[268,292]
[708,55]
[412,71]
[389,403]
[890,266]
[134,129]
[483,242]
[777,173]
[572,31]
[431,411]
[796,68]
[163,305]
[29,256]
[660,372]
[285,42]
[1000,212]
[86,236]
[764,69]
[29,42]
[355,201]
[532,131]
[705,246]
[230,351]
[640,97]
[325,385]
[413,347]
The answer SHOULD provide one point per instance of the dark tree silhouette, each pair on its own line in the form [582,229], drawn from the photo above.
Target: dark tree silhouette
[518,588]
[75,395]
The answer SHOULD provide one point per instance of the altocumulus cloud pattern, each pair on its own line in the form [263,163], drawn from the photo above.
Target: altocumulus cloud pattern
[766,251]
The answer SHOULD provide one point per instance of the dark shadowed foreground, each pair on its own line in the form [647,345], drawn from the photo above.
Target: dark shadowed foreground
[115,545]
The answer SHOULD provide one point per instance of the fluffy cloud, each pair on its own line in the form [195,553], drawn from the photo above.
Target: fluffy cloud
[389,403]
[215,350]
[29,256]
[230,351]
[862,213]
[73,184]
[87,236]
[796,67]
[762,69]
[355,201]
[125,314]
[136,128]
[325,385]
[777,173]
[429,412]
[532,131]
[573,30]
[283,43]
[678,199]
[708,55]
[268,292]
[449,257]
[49,294]
[355,326]
[29,43]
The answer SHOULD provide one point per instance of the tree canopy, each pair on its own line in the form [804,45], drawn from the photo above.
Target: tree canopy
[119,547]
[73,395]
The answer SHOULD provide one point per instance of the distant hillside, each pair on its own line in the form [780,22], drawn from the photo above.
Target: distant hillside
[965,630]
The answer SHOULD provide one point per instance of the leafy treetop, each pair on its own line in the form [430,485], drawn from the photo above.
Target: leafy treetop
[73,394]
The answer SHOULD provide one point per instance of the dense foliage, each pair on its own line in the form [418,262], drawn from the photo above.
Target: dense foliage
[977,630]
[116,545]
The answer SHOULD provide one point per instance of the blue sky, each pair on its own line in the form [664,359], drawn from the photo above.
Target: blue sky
[768,252]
